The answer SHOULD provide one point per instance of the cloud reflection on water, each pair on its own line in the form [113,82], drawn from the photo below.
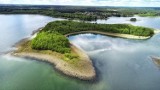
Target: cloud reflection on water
[125,64]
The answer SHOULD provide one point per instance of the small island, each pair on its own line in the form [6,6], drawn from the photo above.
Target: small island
[52,45]
[133,19]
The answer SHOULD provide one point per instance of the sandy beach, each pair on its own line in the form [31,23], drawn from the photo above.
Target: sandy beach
[156,31]
[110,34]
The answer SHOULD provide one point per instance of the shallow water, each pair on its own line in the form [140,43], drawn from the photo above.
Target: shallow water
[122,64]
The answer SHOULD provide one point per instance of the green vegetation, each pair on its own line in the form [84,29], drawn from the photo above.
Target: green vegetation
[55,42]
[52,36]
[65,27]
[53,13]
[80,13]
[76,15]
[133,19]
[70,56]
[51,41]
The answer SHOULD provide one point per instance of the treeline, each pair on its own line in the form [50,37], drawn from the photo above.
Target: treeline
[53,13]
[78,12]
[81,13]
[65,27]
[54,42]
[140,11]
[51,41]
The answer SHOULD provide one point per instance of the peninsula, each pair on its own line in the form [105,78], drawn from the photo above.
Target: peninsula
[52,45]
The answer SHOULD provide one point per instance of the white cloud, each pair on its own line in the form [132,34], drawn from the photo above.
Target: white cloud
[87,2]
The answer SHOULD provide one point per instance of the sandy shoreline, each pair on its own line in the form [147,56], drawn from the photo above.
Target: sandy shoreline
[110,34]
[83,70]
[156,31]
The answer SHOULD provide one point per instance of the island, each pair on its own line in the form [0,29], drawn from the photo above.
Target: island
[52,45]
[133,19]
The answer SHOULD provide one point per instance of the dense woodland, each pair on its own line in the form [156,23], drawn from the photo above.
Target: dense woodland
[65,27]
[51,41]
[79,12]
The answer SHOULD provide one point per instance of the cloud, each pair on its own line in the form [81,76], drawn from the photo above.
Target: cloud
[155,3]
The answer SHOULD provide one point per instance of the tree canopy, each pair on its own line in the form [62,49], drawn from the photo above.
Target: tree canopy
[51,41]
[65,27]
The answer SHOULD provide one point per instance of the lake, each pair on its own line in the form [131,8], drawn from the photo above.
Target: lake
[122,64]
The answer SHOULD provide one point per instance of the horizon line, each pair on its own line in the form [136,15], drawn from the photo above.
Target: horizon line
[79,5]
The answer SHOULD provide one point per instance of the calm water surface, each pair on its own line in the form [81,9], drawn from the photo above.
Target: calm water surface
[122,64]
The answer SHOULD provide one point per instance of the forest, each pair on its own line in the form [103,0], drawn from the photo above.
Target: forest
[51,41]
[65,27]
[83,13]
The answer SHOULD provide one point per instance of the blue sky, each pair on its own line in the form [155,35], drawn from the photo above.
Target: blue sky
[146,3]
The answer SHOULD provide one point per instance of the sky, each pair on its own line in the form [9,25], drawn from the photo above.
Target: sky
[135,3]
